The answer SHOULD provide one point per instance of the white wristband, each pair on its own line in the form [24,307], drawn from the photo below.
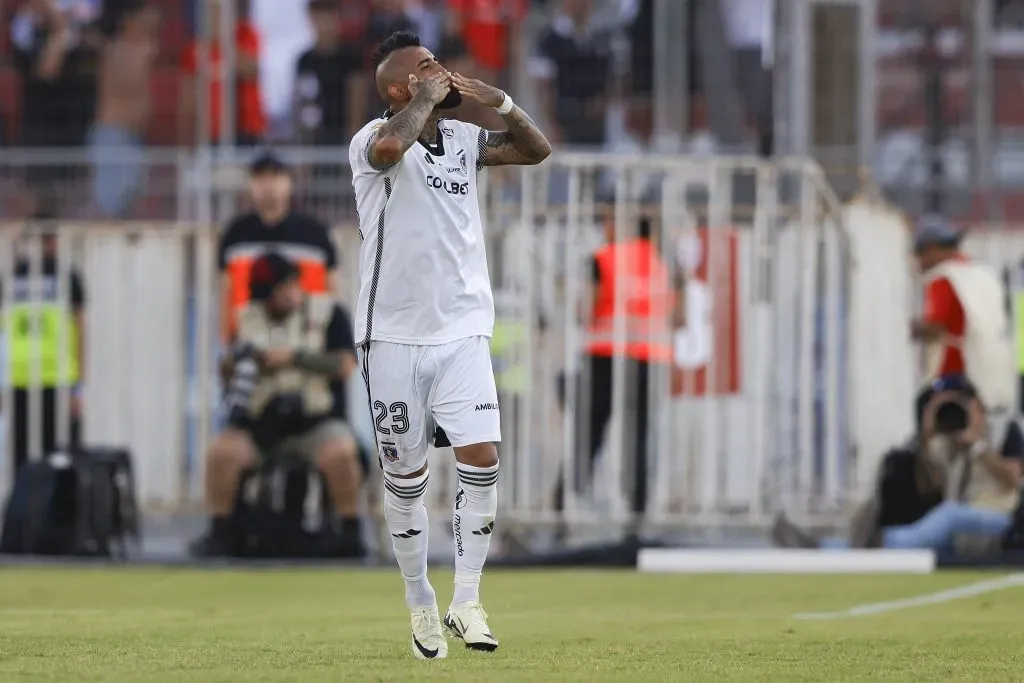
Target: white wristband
[506,106]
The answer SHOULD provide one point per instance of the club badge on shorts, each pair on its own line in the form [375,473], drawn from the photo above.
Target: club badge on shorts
[389,452]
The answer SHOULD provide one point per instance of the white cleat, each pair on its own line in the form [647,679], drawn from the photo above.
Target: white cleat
[428,641]
[468,622]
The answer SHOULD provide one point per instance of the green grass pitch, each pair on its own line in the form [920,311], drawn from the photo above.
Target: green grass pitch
[317,626]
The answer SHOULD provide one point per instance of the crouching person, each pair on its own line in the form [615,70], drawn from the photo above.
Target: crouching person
[951,489]
[290,347]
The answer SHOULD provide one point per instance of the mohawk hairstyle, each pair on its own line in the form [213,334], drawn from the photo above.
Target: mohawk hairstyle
[396,41]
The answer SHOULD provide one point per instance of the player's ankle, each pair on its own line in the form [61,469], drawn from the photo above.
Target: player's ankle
[466,593]
[419,593]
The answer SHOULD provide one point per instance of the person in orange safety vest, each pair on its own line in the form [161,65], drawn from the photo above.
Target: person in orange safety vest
[637,303]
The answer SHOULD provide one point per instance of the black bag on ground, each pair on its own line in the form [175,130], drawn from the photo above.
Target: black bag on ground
[116,463]
[61,505]
[284,510]
[901,500]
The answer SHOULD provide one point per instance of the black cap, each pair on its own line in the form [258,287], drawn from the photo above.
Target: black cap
[267,162]
[267,272]
[935,231]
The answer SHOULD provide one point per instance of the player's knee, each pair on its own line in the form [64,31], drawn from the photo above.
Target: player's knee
[477,455]
[230,450]
[412,475]
[336,454]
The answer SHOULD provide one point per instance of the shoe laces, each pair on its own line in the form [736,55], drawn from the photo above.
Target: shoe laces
[425,622]
[475,613]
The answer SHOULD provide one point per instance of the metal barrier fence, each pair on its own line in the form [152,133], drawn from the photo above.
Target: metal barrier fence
[752,416]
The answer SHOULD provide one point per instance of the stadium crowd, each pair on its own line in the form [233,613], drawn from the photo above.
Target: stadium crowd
[109,80]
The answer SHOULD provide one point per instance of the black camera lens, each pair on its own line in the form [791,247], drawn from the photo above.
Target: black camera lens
[950,418]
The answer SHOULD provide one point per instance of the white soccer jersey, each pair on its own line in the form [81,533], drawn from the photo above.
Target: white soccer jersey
[422,264]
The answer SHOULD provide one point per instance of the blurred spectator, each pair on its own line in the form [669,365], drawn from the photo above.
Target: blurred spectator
[573,68]
[748,24]
[329,100]
[54,52]
[641,81]
[250,122]
[285,33]
[44,328]
[116,138]
[386,17]
[273,225]
[430,17]
[492,33]
[440,32]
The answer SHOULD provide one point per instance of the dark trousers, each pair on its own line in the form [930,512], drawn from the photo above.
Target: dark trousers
[47,423]
[594,410]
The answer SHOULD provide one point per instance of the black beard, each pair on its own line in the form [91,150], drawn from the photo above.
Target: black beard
[451,100]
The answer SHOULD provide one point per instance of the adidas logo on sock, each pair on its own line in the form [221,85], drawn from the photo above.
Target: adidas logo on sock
[409,533]
[486,530]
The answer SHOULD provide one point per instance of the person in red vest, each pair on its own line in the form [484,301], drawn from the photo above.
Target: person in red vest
[633,289]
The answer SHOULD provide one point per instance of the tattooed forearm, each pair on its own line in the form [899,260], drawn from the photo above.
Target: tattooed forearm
[521,144]
[400,132]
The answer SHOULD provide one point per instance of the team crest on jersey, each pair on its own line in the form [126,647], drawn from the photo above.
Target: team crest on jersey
[463,167]
[448,132]
[389,452]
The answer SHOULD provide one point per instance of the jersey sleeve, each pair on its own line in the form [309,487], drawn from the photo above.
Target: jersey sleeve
[359,150]
[475,141]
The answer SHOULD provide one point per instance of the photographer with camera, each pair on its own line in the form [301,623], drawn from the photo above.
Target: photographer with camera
[948,489]
[964,328]
[290,346]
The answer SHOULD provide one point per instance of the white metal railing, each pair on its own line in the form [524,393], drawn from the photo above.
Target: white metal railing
[754,417]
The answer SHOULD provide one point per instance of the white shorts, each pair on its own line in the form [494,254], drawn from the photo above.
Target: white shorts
[414,389]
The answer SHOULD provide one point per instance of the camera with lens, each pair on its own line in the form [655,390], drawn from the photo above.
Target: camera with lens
[948,400]
[952,416]
[244,351]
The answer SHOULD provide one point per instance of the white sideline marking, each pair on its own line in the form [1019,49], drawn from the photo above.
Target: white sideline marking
[968,591]
[788,561]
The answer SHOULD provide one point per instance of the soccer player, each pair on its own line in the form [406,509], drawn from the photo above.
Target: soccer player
[425,314]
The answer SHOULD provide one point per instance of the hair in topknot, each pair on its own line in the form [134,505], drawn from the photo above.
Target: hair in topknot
[396,41]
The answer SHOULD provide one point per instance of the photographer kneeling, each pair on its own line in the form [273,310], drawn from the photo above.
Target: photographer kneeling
[948,489]
[290,346]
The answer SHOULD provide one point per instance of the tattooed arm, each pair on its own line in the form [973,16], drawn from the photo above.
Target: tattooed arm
[395,137]
[521,144]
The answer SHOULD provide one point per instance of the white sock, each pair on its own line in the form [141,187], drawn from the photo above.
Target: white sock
[406,517]
[473,521]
